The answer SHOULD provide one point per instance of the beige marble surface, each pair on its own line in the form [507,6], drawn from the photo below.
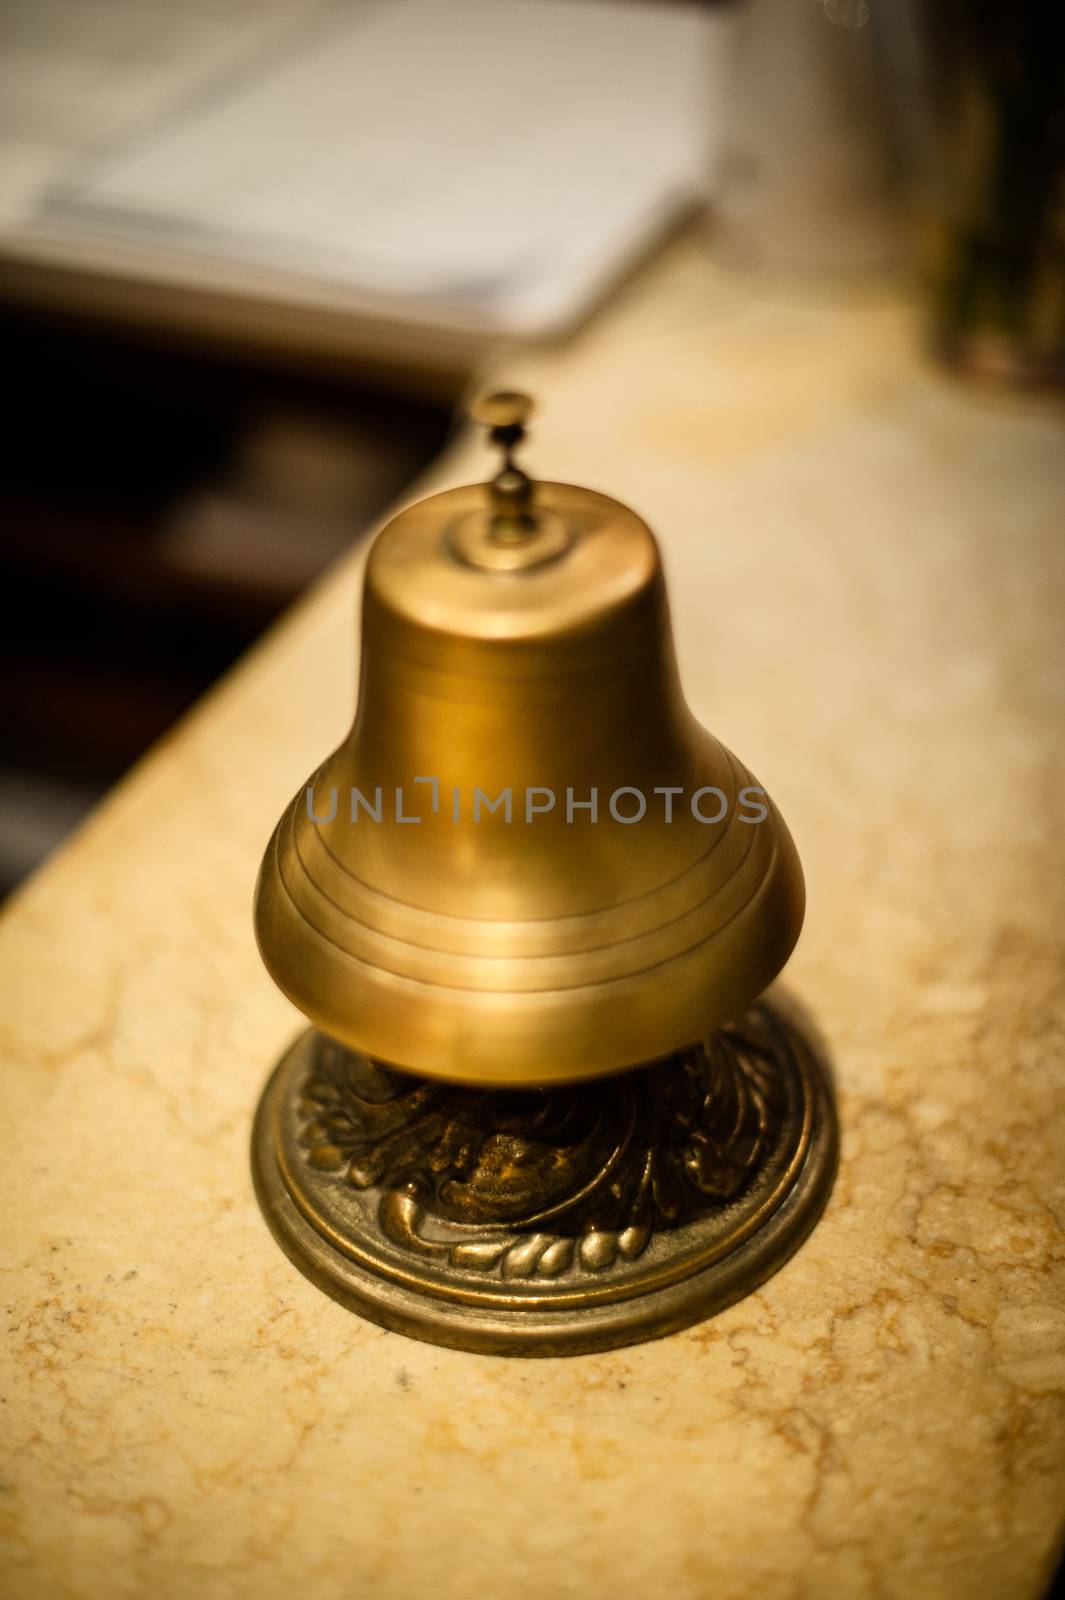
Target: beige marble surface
[868,584]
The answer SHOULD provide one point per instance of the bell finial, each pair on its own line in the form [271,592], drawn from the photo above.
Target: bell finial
[505,413]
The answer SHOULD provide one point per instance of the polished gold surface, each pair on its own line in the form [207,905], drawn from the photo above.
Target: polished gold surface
[545,945]
[548,1222]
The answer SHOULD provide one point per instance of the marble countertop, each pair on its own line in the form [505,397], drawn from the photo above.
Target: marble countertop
[867,572]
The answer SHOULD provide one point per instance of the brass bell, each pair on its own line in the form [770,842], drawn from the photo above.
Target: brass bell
[527,865]
[527,862]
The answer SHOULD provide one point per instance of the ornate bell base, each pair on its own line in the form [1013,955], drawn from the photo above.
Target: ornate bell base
[550,1221]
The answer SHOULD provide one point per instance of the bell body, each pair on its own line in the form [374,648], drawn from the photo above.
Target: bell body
[454,905]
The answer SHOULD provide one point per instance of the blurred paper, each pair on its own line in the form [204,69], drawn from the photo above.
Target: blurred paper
[80,76]
[492,165]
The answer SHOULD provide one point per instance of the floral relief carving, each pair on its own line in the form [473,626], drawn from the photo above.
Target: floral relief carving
[541,1183]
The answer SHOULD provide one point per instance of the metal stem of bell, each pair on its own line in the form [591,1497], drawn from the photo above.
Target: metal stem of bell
[512,519]
[511,488]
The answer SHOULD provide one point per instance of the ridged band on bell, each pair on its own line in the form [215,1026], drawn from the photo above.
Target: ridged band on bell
[498,952]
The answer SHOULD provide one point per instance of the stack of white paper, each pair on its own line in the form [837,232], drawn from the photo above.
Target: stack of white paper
[488,163]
